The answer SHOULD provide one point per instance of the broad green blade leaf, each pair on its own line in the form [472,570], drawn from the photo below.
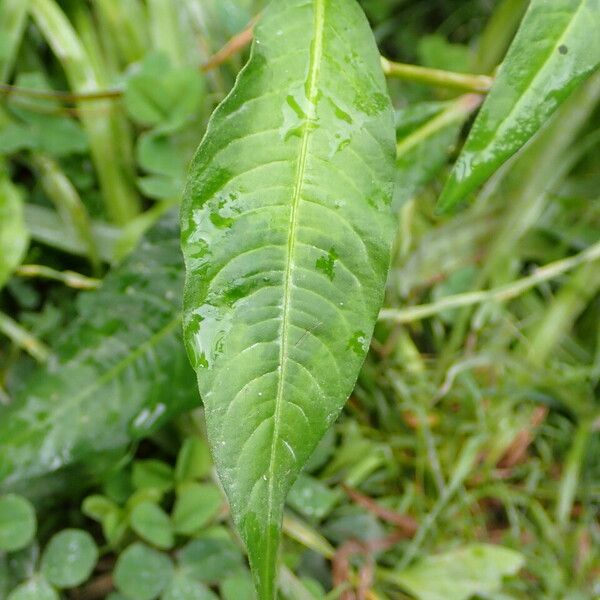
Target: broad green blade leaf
[287,231]
[120,370]
[556,47]
[14,238]
[460,574]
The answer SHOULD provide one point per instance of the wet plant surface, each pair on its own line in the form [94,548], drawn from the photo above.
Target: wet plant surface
[426,432]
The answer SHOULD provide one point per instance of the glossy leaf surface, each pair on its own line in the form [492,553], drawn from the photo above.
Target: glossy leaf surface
[556,47]
[13,234]
[287,231]
[120,370]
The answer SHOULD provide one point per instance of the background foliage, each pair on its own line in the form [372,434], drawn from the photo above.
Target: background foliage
[464,463]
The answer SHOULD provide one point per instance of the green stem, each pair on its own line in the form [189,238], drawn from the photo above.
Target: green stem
[165,30]
[464,465]
[562,312]
[67,97]
[438,77]
[457,111]
[69,205]
[570,479]
[476,84]
[13,17]
[23,339]
[126,23]
[69,278]
[538,168]
[122,202]
[499,294]
[107,69]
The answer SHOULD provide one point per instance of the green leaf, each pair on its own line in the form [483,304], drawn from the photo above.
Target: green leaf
[23,563]
[15,138]
[38,128]
[352,525]
[152,474]
[159,153]
[555,49]
[14,237]
[435,51]
[183,587]
[69,558]
[17,523]
[238,587]
[146,494]
[286,233]
[195,506]
[34,589]
[193,460]
[159,187]
[142,573]
[311,498]
[13,19]
[460,574]
[153,525]
[98,507]
[165,158]
[209,560]
[114,527]
[120,371]
[118,486]
[113,519]
[162,95]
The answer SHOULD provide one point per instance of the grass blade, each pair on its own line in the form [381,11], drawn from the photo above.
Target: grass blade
[122,202]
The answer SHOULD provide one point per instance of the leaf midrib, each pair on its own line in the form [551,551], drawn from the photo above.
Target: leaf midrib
[316,53]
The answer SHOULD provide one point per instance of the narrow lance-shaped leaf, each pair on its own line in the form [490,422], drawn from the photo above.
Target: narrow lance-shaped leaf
[287,231]
[556,47]
[119,372]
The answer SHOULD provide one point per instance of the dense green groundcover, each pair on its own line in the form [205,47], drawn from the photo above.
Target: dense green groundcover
[464,464]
